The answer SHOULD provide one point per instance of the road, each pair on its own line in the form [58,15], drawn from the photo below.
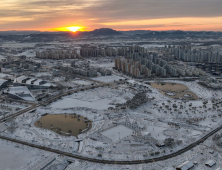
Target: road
[56,97]
[48,101]
[156,159]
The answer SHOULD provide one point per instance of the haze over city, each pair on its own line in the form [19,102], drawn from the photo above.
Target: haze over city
[87,15]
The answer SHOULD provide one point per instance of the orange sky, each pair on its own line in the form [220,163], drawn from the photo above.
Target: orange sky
[68,15]
[185,23]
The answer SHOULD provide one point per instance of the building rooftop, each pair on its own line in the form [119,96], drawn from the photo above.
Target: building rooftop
[21,92]
[210,163]
[30,81]
[2,81]
[33,81]
[186,165]
[19,79]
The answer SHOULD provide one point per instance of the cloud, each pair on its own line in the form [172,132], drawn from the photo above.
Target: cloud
[42,14]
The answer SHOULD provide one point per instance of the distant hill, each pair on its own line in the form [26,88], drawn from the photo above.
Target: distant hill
[105,32]
[13,32]
[133,32]
[37,36]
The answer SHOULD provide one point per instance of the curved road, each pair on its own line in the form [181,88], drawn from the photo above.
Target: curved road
[52,99]
[161,158]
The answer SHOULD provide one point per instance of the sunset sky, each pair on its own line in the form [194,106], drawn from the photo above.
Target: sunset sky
[57,15]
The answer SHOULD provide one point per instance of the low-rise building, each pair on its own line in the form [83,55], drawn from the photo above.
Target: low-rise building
[31,83]
[3,83]
[185,166]
[20,92]
[210,163]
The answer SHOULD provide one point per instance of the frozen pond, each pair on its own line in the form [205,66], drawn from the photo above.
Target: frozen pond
[174,90]
[64,124]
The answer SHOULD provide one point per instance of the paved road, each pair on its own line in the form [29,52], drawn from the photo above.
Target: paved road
[156,159]
[50,100]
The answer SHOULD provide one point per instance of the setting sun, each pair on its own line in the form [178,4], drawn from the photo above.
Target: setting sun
[74,29]
[70,28]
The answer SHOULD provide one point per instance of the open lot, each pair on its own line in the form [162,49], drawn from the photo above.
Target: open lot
[117,133]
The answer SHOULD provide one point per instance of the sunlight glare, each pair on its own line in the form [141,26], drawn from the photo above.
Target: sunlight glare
[70,28]
[74,29]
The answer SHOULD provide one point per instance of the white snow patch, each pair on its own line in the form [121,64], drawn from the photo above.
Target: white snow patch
[117,133]
[108,78]
[82,82]
[70,103]
[105,65]
[15,158]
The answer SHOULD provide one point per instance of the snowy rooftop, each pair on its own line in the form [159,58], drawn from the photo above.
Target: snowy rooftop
[37,82]
[186,165]
[117,133]
[22,92]
[20,89]
[210,163]
[2,81]
[19,79]
[31,80]
[131,81]
[138,83]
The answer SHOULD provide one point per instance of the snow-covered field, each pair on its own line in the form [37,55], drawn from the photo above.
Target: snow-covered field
[82,82]
[107,79]
[105,65]
[70,103]
[43,74]
[100,98]
[151,45]
[16,157]
[28,53]
[17,45]
[117,133]
[2,127]
[2,57]
[2,75]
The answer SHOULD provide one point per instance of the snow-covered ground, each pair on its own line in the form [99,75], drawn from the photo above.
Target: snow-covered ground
[151,45]
[17,45]
[28,53]
[107,79]
[70,102]
[2,75]
[82,82]
[42,74]
[105,65]
[100,98]
[16,157]
[2,57]
[117,133]
[2,127]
